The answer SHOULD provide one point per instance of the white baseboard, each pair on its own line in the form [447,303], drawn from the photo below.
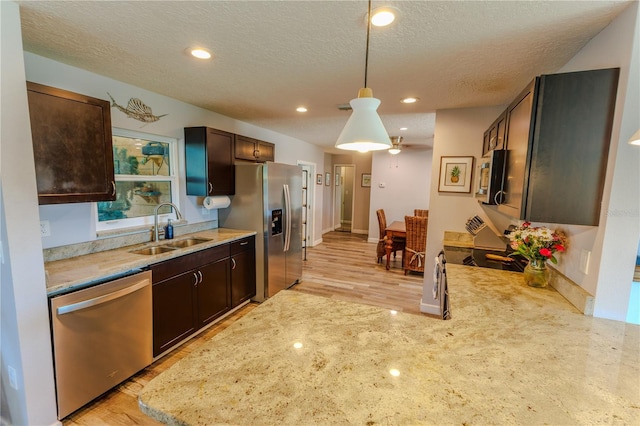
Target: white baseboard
[372,240]
[359,231]
[430,309]
[316,242]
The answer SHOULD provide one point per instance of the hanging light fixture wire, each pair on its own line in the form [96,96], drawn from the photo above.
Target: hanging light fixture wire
[364,130]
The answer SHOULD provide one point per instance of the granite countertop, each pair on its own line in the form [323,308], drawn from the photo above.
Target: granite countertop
[511,354]
[79,271]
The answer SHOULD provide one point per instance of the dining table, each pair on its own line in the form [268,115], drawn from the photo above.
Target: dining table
[397,229]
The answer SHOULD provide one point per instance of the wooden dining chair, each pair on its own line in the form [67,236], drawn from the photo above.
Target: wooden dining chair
[421,213]
[416,244]
[396,245]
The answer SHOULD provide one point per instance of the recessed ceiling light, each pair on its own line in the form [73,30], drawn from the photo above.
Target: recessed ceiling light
[403,128]
[200,53]
[301,109]
[382,16]
[409,100]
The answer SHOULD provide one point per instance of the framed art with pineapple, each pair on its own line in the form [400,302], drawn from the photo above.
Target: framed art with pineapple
[455,174]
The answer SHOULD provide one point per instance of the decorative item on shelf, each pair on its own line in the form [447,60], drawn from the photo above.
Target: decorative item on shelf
[137,110]
[537,244]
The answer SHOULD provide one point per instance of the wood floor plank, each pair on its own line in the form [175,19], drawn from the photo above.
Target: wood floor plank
[343,267]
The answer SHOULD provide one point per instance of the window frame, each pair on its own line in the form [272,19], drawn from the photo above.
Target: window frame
[173,178]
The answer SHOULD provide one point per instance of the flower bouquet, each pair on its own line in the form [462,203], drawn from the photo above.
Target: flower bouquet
[537,243]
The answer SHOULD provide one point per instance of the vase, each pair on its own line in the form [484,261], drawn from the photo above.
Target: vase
[536,273]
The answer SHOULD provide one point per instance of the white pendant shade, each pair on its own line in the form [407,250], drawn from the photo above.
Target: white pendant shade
[364,130]
[635,139]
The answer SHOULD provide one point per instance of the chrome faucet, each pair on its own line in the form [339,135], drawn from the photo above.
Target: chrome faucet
[155,218]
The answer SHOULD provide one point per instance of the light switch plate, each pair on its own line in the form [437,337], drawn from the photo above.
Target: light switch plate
[585,255]
[45,229]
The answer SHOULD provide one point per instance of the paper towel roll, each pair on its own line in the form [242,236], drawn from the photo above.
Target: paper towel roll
[218,202]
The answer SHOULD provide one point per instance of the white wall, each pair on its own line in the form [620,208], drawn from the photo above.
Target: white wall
[406,178]
[615,245]
[74,223]
[458,133]
[25,339]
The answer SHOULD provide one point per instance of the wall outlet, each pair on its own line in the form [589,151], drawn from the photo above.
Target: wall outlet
[585,255]
[45,230]
[13,378]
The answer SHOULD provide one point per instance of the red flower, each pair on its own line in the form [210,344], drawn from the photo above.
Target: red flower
[558,247]
[526,224]
[545,252]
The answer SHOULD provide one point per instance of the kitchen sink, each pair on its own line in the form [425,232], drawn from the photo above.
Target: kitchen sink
[149,251]
[186,243]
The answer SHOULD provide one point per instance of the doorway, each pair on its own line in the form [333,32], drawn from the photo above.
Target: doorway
[344,188]
[308,173]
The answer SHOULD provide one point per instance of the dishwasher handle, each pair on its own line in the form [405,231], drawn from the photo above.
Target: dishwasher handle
[102,299]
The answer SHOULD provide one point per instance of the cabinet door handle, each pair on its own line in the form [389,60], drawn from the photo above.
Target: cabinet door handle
[210,187]
[113,187]
[256,153]
[495,197]
[233,263]
[195,283]
[244,243]
[200,273]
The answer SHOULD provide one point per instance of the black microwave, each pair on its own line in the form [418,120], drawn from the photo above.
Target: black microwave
[491,174]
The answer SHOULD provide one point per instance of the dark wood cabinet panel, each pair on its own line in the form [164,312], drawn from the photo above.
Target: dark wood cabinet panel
[558,137]
[250,149]
[72,146]
[174,311]
[209,161]
[495,136]
[213,291]
[520,116]
[243,270]
[571,146]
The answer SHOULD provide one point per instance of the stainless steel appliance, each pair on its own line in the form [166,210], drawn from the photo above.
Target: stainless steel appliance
[102,335]
[490,182]
[268,200]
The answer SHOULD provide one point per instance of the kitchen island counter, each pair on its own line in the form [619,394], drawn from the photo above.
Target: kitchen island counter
[511,354]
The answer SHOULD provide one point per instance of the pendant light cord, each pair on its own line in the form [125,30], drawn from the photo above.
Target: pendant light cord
[366,58]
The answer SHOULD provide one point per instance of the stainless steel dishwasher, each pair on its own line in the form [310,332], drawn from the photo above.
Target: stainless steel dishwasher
[102,335]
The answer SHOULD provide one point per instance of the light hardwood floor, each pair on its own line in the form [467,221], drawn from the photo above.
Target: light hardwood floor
[343,267]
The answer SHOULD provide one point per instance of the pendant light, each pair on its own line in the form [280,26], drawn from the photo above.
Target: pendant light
[364,130]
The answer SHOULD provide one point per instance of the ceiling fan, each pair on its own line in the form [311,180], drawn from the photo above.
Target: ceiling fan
[397,147]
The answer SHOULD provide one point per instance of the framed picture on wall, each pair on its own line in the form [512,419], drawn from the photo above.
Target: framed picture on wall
[327,179]
[455,174]
[366,180]
[319,179]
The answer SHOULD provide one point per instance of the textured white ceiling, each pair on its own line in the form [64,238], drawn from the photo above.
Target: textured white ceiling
[272,56]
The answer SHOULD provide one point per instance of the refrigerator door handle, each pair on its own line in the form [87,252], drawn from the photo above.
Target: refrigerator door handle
[287,217]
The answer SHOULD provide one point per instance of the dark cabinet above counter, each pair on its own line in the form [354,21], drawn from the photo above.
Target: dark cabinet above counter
[72,146]
[253,149]
[210,155]
[558,133]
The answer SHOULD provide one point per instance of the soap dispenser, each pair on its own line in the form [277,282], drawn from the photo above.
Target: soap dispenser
[168,230]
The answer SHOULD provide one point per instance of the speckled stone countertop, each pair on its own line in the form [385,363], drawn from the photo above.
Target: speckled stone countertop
[511,354]
[77,272]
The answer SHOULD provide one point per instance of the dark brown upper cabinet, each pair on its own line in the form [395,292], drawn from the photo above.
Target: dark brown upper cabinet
[495,135]
[209,161]
[72,146]
[253,149]
[558,137]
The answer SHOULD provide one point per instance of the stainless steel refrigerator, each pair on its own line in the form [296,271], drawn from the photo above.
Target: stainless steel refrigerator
[268,200]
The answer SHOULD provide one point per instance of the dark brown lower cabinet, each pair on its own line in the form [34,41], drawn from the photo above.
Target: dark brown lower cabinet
[213,291]
[191,291]
[243,271]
